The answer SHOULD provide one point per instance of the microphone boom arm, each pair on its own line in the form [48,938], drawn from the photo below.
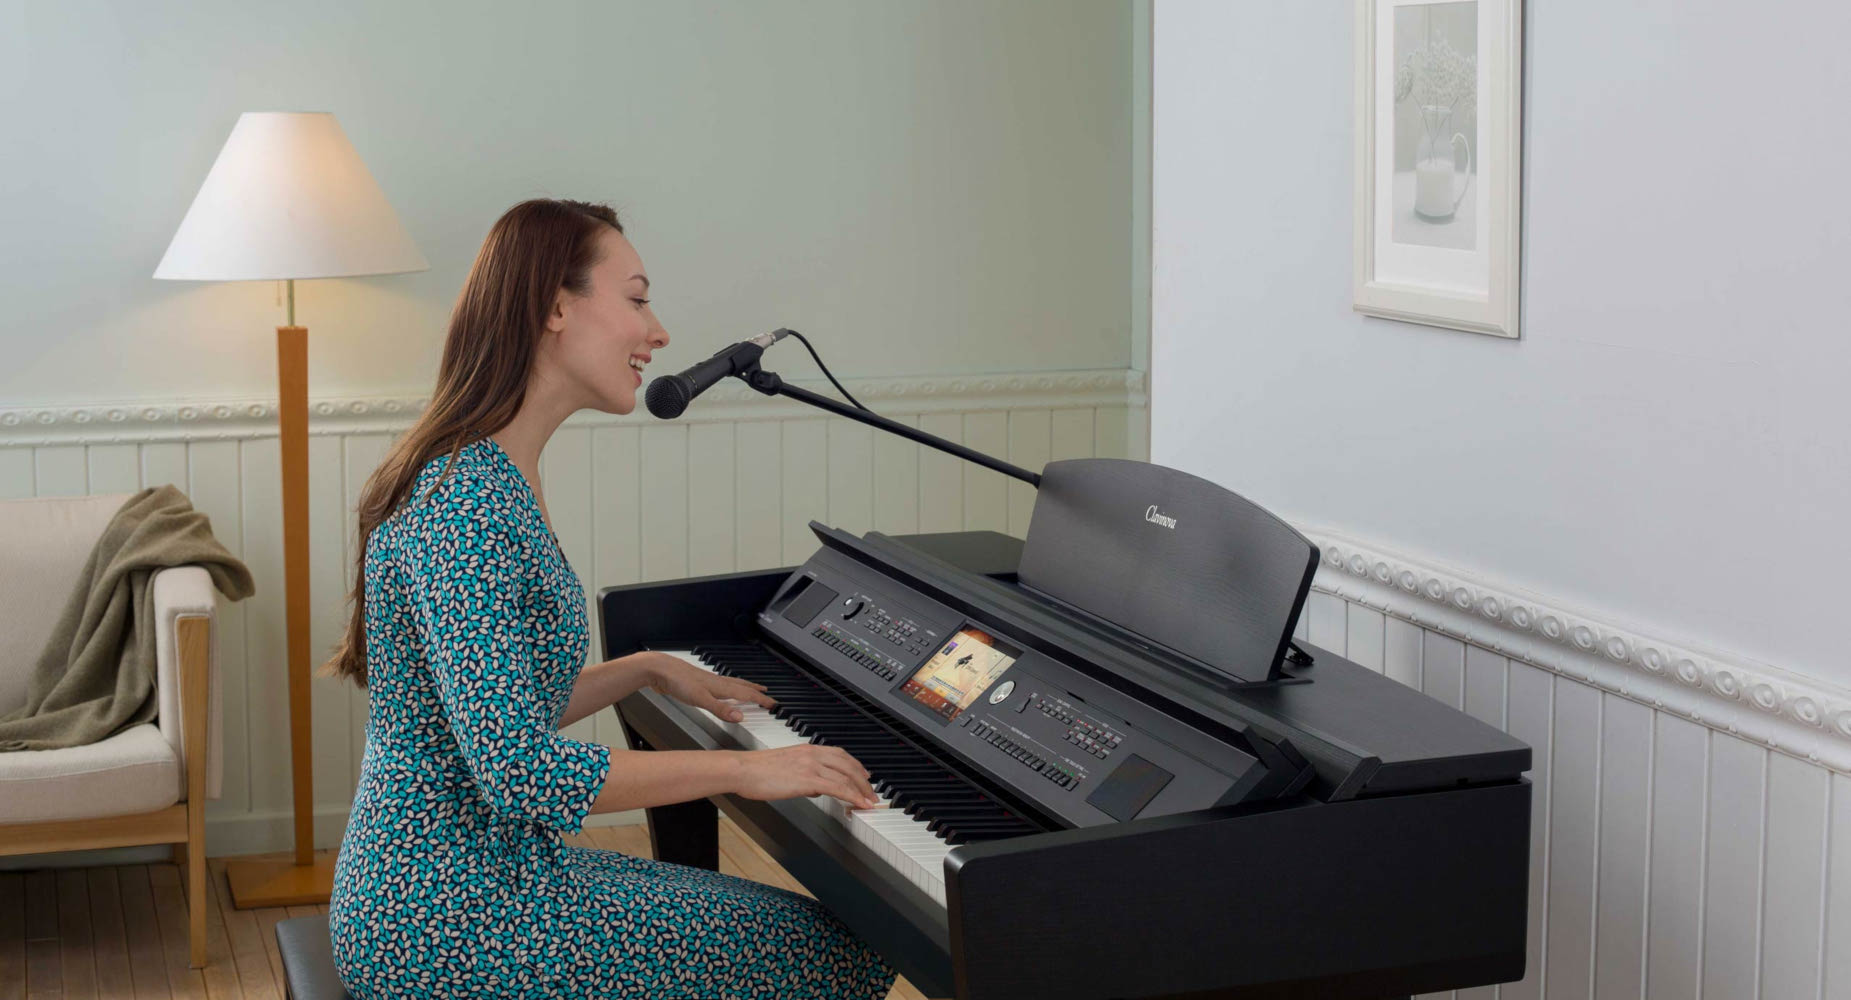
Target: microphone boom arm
[771,385]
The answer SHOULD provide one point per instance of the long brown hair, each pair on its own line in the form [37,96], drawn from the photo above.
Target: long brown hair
[537,248]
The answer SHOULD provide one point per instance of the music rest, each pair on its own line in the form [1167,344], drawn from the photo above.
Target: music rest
[1171,557]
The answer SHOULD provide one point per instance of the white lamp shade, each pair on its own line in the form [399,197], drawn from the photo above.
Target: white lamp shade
[288,198]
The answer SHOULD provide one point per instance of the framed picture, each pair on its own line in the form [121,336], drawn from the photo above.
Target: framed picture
[1439,161]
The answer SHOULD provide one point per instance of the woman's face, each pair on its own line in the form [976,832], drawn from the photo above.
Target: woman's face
[597,344]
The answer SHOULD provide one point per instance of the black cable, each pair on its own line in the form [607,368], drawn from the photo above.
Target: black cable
[825,368]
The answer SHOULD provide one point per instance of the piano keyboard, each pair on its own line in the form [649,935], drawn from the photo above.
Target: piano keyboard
[925,809]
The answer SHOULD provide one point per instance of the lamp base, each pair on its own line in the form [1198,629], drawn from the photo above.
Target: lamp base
[276,880]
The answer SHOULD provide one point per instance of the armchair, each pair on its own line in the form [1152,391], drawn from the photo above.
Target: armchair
[147,784]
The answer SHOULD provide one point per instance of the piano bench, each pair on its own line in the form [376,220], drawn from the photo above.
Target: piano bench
[308,960]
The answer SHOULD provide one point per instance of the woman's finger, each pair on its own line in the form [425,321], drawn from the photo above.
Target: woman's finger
[750,692]
[846,791]
[722,709]
[856,777]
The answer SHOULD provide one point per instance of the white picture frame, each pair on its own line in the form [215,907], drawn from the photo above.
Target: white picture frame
[1439,165]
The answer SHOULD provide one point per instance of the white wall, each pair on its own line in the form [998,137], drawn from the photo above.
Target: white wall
[1666,443]
[924,187]
[1620,538]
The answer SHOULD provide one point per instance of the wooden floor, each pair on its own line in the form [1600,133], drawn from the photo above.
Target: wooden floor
[120,933]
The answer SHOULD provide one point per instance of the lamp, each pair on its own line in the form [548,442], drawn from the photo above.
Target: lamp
[289,198]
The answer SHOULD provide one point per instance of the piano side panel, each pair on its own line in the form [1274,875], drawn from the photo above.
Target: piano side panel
[1367,898]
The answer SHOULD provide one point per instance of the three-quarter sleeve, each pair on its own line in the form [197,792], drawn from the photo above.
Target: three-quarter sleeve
[467,583]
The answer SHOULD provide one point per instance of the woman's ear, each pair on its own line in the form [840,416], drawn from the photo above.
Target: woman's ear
[556,316]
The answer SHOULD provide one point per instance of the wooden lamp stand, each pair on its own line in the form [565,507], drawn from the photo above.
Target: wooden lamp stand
[304,878]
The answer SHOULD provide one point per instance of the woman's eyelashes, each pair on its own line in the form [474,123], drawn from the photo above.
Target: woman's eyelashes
[640,303]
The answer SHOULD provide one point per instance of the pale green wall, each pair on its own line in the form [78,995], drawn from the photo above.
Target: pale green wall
[925,186]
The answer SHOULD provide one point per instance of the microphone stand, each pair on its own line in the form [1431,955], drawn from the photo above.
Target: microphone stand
[771,385]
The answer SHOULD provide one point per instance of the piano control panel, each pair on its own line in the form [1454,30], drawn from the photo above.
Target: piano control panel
[1076,748]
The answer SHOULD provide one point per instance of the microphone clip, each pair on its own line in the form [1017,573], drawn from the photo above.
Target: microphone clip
[766,382]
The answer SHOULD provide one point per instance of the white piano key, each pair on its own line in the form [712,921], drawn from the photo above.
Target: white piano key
[903,842]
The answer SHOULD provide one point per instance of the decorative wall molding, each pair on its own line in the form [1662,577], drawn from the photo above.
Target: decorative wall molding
[1799,716]
[235,419]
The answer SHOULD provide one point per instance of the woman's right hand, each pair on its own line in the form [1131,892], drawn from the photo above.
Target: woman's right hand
[803,771]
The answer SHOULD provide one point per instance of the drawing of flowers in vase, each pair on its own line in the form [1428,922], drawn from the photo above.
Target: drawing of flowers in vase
[1436,124]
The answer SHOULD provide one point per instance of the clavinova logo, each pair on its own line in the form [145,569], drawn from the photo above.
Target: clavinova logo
[1155,516]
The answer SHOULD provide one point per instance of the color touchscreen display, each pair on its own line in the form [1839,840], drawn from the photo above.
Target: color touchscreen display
[960,672]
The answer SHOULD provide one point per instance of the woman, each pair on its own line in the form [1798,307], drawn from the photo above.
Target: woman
[469,630]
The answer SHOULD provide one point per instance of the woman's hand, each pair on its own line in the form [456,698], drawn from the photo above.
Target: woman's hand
[803,771]
[693,686]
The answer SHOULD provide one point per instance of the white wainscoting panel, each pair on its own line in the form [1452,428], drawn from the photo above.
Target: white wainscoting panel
[731,486]
[1691,828]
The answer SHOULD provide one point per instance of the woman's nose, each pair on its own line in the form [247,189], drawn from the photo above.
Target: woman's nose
[658,337]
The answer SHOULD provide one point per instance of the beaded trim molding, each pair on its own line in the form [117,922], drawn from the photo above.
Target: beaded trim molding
[1799,716]
[231,419]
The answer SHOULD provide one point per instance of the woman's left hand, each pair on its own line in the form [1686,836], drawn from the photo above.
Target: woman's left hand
[691,685]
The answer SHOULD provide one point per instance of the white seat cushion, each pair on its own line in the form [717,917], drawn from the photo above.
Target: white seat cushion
[133,771]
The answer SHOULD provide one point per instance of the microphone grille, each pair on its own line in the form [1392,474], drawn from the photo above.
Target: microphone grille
[668,396]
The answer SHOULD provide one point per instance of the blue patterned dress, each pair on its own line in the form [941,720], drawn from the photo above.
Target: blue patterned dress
[452,881]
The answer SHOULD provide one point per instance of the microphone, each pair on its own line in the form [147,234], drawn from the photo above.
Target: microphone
[669,395]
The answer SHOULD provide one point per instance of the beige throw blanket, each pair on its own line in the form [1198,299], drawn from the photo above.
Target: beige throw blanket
[96,674]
